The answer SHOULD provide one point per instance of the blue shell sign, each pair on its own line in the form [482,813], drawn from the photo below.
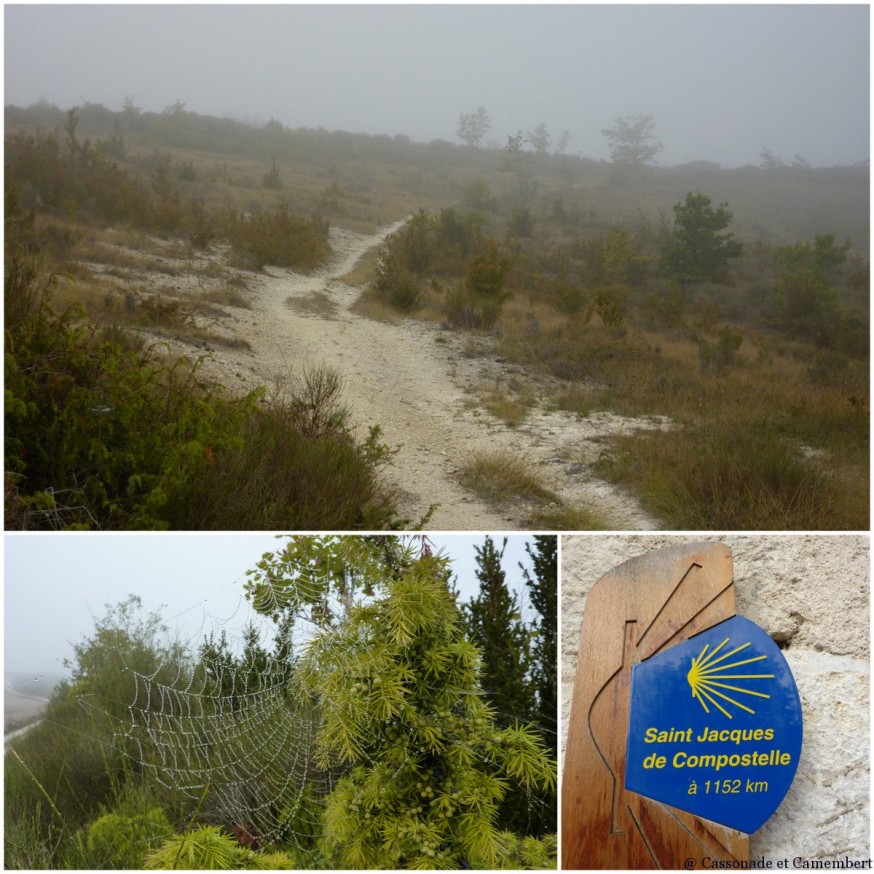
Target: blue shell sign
[715,726]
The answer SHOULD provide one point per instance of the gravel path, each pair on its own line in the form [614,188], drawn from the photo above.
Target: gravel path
[415,381]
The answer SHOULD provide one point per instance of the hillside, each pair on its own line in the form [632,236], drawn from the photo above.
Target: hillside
[365,181]
[587,380]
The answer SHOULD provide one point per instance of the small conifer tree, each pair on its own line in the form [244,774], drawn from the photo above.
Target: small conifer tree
[543,588]
[495,625]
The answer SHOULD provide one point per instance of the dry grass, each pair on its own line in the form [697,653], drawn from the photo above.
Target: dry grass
[229,296]
[511,407]
[168,316]
[778,439]
[370,307]
[317,304]
[363,271]
[499,477]
[566,518]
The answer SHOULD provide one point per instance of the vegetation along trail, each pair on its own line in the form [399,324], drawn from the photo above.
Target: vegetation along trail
[416,382]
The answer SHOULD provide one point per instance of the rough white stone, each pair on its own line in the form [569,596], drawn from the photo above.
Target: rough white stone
[810,593]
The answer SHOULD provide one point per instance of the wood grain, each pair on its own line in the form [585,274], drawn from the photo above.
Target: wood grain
[641,607]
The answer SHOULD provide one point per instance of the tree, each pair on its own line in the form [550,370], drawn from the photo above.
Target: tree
[403,260]
[539,138]
[129,106]
[123,645]
[424,765]
[472,127]
[516,156]
[563,142]
[622,263]
[78,750]
[175,110]
[415,241]
[486,271]
[543,588]
[698,251]
[272,179]
[632,141]
[495,625]
[231,677]
[806,294]
[70,127]
[770,161]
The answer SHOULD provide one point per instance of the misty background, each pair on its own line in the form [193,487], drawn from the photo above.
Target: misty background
[56,585]
[723,82]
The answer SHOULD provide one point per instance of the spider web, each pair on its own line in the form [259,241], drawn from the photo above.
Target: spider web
[221,722]
[224,723]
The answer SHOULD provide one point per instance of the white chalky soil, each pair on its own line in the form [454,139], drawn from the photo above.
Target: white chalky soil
[415,381]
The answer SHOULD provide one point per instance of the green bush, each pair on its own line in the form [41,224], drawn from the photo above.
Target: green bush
[394,284]
[117,840]
[206,848]
[722,353]
[279,238]
[486,272]
[99,435]
[465,310]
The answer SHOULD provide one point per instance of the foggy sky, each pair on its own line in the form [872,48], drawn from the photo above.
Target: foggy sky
[722,81]
[56,585]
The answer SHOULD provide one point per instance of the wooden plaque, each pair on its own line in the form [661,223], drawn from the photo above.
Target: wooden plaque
[638,609]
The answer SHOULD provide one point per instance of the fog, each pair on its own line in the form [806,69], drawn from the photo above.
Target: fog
[722,82]
[56,585]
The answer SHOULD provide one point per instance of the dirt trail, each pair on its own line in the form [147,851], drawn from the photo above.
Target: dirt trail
[416,381]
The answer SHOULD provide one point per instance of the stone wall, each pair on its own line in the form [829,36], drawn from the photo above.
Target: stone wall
[811,594]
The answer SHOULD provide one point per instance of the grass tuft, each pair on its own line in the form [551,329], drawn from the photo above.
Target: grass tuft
[567,518]
[499,477]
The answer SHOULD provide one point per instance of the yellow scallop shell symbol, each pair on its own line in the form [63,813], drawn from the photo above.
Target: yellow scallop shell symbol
[708,672]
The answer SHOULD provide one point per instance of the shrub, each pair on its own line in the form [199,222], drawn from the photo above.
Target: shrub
[272,178]
[465,310]
[521,222]
[394,284]
[275,477]
[722,353]
[119,840]
[486,271]
[99,435]
[206,848]
[610,304]
[479,196]
[279,238]
[425,765]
